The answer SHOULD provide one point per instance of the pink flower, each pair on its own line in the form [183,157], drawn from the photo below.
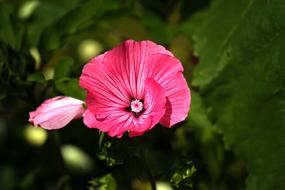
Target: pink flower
[57,112]
[133,87]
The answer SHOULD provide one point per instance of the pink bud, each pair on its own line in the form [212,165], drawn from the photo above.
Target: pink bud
[57,112]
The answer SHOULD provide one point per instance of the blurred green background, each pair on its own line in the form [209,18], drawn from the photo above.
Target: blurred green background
[233,54]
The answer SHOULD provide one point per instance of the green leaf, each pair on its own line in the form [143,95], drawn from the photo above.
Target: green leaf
[6,30]
[135,28]
[159,30]
[63,68]
[108,154]
[189,26]
[70,87]
[183,178]
[36,77]
[242,77]
[46,14]
[198,117]
[106,182]
[73,21]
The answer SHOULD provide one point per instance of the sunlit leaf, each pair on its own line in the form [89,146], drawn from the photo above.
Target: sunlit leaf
[106,182]
[183,178]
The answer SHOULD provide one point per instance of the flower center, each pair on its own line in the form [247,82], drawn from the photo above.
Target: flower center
[136,106]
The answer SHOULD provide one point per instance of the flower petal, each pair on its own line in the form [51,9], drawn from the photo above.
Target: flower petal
[128,64]
[57,112]
[154,105]
[113,79]
[96,80]
[104,92]
[167,71]
[114,125]
[120,122]
[177,101]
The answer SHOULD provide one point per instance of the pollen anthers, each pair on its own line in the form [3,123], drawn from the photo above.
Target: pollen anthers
[136,106]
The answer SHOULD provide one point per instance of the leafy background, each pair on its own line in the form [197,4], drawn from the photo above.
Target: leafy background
[233,53]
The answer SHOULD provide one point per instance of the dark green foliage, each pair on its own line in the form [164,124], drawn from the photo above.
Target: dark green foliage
[242,80]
